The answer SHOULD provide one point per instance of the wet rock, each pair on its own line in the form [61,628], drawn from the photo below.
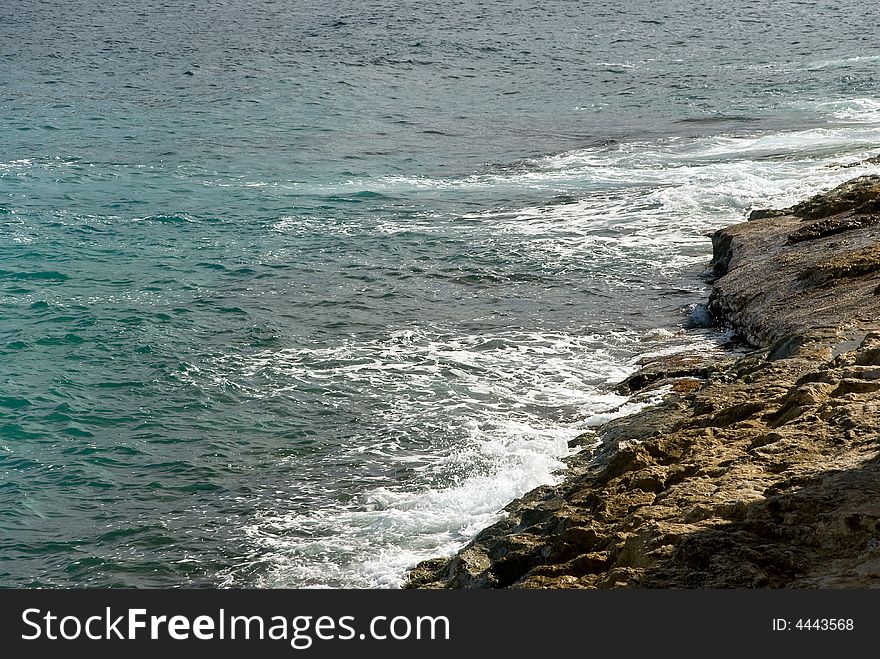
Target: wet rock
[844,197]
[669,370]
[873,160]
[832,225]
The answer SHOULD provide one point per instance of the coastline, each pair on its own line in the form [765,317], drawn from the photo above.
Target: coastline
[756,470]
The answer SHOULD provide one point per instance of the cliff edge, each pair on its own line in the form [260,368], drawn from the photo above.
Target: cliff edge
[757,470]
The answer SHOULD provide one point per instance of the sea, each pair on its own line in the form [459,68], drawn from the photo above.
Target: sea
[295,294]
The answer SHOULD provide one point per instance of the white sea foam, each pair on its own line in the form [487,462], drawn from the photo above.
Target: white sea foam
[857,110]
[667,195]
[13,165]
[477,421]
[637,198]
[388,529]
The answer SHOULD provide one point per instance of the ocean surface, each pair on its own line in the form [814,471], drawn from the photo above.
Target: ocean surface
[298,293]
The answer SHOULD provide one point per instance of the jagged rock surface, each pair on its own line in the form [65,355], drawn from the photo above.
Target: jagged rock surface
[758,470]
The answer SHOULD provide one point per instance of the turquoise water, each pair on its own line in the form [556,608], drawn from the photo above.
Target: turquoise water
[298,294]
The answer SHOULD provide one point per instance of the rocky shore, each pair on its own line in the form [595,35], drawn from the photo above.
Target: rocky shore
[758,469]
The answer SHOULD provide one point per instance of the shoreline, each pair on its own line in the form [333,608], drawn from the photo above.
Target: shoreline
[755,470]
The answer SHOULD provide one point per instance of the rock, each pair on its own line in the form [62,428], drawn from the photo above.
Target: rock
[767,283]
[873,160]
[829,226]
[669,370]
[846,196]
[852,264]
[758,469]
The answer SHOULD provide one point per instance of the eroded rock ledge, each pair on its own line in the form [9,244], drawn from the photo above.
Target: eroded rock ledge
[757,470]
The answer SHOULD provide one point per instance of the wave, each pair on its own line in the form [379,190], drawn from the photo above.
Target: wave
[458,427]
[852,126]
[512,401]
[440,429]
[857,110]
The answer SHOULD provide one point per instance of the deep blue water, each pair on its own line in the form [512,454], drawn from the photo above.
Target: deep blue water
[299,293]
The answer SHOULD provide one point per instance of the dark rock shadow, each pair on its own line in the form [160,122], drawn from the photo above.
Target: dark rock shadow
[821,531]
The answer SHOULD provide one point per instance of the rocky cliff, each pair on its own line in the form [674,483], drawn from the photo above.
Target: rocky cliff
[759,469]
